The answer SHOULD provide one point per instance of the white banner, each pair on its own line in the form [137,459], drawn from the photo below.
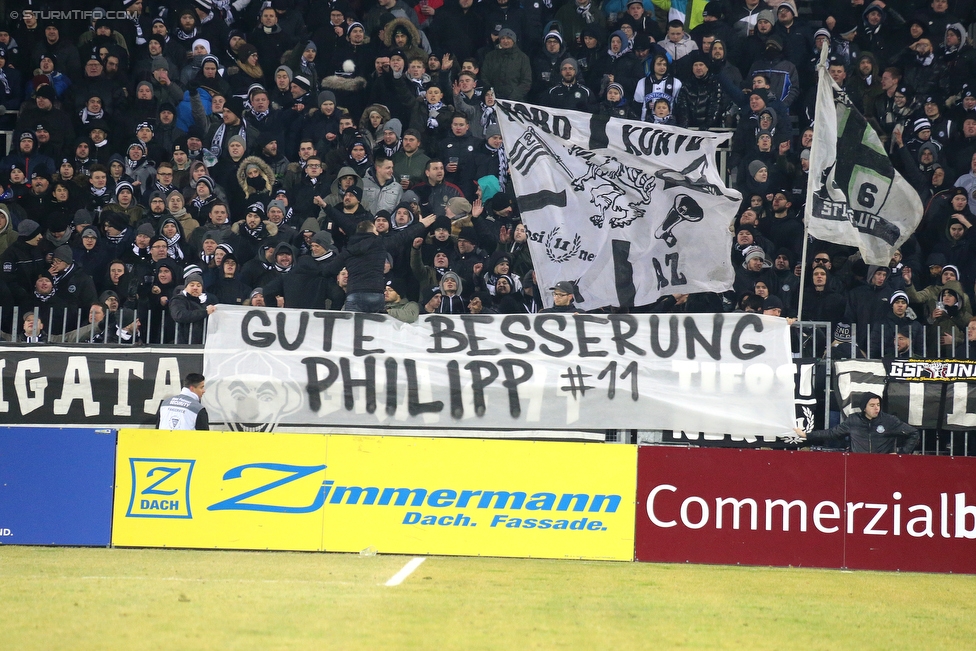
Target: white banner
[855,196]
[729,373]
[629,211]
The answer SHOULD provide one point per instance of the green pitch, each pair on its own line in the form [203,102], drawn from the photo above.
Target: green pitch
[57,598]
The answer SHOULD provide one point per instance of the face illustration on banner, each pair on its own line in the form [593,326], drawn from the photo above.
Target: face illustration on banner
[253,392]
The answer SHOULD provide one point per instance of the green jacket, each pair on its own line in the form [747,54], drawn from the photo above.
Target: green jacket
[405,164]
[403,310]
[930,295]
[509,72]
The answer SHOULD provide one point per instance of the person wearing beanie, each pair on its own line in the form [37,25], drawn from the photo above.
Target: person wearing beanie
[72,286]
[26,155]
[868,302]
[190,308]
[247,60]
[126,204]
[411,160]
[929,297]
[507,69]
[227,286]
[252,231]
[389,143]
[702,99]
[302,100]
[110,299]
[302,60]
[63,253]
[312,280]
[754,268]
[899,317]
[773,306]
[23,261]
[203,200]
[91,254]
[869,430]
[28,230]
[545,64]
[458,208]
[288,73]
[568,92]
[326,96]
[787,282]
[492,163]
[324,240]
[398,305]
[233,123]
[615,102]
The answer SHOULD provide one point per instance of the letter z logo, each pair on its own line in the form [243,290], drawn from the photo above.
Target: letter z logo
[160,488]
[293,474]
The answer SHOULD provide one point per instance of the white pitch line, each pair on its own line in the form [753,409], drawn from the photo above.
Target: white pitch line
[187,579]
[406,571]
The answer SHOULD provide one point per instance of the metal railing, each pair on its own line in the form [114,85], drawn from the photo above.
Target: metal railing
[123,327]
[880,342]
[810,341]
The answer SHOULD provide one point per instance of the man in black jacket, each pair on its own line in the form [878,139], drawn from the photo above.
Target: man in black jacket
[701,100]
[21,263]
[307,285]
[569,93]
[71,284]
[365,257]
[870,431]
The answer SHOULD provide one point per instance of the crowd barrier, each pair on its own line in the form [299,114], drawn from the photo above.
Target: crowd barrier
[855,511]
[339,493]
[318,492]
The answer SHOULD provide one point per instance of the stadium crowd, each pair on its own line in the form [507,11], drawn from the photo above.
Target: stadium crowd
[346,155]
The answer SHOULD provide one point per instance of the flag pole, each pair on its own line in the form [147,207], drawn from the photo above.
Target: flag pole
[814,149]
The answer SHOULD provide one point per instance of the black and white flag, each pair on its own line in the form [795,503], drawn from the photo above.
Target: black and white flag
[627,210]
[855,196]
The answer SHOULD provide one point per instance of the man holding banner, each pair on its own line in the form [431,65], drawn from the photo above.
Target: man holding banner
[855,197]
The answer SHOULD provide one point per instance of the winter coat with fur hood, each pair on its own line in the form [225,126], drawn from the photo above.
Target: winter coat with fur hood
[253,191]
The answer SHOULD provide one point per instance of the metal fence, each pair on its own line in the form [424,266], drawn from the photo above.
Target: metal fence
[810,341]
[123,327]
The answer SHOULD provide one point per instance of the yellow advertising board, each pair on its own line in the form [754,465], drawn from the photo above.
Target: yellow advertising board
[397,494]
[225,490]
